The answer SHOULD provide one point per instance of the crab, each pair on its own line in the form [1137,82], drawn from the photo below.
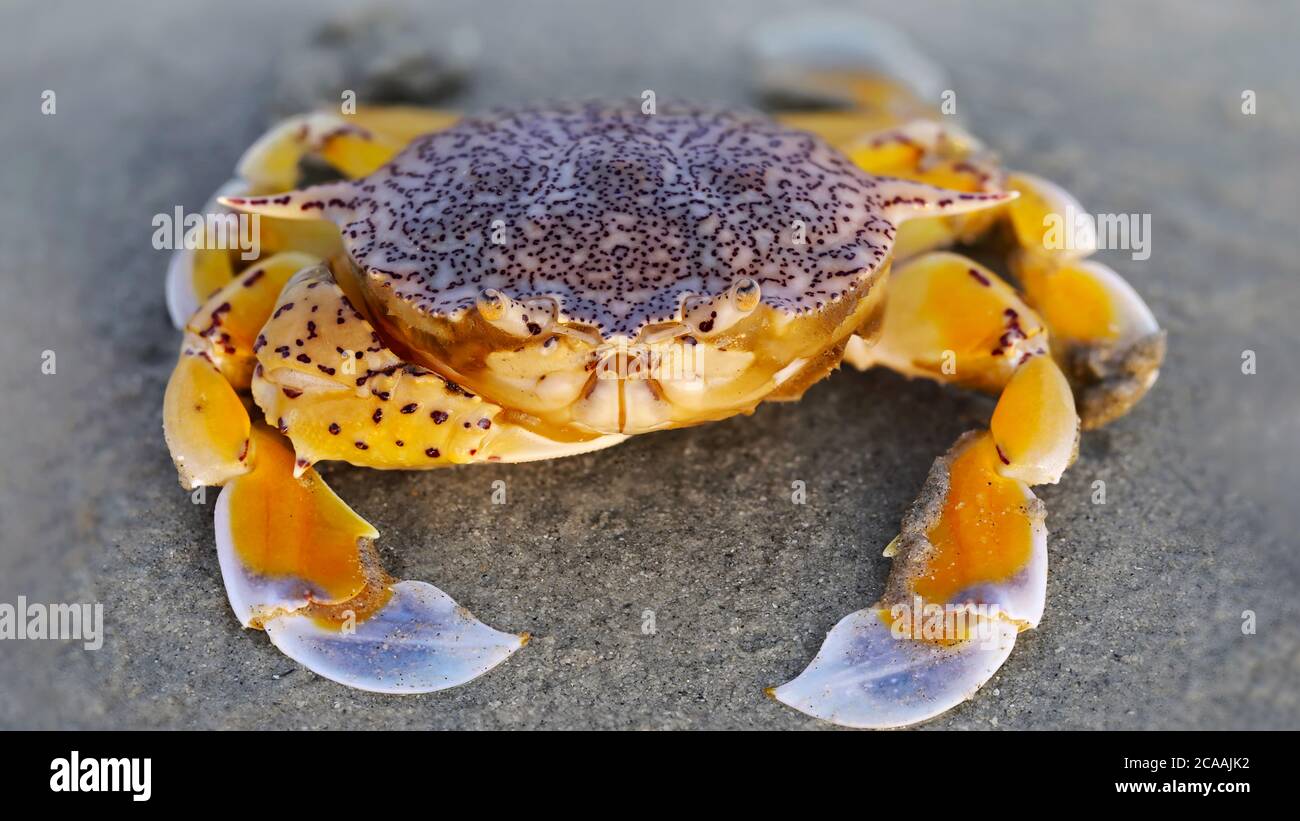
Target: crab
[549,280]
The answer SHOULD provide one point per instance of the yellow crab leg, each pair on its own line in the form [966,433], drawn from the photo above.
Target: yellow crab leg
[1108,342]
[1035,426]
[273,161]
[940,154]
[204,421]
[227,324]
[298,563]
[969,573]
[970,566]
[402,123]
[194,274]
[296,560]
[292,528]
[355,144]
[879,104]
[951,319]
[1106,339]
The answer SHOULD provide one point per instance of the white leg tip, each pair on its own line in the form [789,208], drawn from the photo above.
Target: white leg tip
[419,642]
[865,677]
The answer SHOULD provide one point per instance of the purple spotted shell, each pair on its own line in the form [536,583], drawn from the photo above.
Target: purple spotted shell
[616,214]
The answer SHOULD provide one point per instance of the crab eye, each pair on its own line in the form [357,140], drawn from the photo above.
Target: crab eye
[747,294]
[491,304]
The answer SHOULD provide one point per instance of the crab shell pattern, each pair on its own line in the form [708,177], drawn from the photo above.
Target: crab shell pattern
[547,281]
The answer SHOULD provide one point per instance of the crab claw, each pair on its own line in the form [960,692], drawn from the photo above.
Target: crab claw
[865,677]
[299,563]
